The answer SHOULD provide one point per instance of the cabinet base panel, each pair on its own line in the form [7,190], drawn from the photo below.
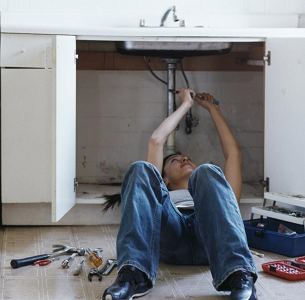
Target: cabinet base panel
[40,214]
[81,214]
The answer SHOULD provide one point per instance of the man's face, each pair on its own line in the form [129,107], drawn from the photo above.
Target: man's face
[178,168]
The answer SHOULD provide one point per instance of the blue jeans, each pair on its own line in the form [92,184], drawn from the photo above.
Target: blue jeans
[152,228]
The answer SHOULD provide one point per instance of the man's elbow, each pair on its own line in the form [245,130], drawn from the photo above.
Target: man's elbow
[156,140]
[236,155]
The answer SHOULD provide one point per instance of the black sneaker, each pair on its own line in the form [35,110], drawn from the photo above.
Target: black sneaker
[242,286]
[130,283]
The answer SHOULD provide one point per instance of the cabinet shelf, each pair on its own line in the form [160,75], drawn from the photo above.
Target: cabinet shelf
[297,200]
[263,210]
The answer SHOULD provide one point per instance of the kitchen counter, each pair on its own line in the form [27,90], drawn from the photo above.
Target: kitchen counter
[96,29]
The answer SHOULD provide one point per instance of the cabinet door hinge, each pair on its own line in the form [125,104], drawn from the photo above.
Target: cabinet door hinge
[75,56]
[265,183]
[267,58]
[75,183]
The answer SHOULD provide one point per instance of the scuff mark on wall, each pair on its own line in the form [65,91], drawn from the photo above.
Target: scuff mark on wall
[103,167]
[84,161]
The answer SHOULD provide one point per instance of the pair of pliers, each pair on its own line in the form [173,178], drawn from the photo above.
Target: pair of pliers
[45,262]
[192,95]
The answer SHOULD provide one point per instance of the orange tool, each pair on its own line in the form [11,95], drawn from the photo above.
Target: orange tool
[45,262]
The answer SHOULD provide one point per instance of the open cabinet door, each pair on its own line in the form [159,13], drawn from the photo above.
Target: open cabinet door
[64,126]
[285,116]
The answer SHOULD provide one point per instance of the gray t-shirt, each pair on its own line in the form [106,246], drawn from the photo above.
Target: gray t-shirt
[182,199]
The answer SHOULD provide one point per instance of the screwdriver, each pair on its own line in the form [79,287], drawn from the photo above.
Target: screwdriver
[95,260]
[192,95]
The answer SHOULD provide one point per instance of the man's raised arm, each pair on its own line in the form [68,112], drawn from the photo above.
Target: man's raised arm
[160,135]
[230,149]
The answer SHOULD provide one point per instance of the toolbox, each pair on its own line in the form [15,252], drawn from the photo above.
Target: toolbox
[269,239]
[279,229]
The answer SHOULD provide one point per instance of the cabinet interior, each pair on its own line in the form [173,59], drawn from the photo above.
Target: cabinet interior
[116,113]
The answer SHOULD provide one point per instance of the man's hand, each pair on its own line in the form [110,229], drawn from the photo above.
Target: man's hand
[205,100]
[185,96]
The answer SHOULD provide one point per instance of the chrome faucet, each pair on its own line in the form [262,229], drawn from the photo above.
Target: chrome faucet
[175,18]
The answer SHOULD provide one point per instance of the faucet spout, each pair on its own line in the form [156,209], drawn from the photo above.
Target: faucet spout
[164,17]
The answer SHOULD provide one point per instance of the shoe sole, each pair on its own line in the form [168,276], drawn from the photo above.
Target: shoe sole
[109,297]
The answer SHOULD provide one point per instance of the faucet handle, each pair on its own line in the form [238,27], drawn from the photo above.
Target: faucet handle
[182,23]
[175,17]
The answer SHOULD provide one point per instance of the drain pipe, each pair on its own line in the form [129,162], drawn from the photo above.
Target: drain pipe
[171,64]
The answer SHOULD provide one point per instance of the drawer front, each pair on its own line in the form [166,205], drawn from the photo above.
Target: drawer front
[26,51]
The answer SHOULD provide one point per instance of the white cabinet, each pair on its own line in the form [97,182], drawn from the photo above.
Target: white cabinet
[26,51]
[64,126]
[26,135]
[284,161]
[38,121]
[284,116]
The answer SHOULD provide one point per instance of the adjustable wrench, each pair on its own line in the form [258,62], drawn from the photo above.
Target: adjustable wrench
[108,267]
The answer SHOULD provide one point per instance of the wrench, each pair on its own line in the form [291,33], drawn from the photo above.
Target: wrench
[107,268]
[66,263]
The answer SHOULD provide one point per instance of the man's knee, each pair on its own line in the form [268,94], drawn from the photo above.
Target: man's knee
[140,168]
[208,169]
[141,171]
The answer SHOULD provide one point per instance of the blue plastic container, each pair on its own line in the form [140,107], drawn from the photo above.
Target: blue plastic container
[269,239]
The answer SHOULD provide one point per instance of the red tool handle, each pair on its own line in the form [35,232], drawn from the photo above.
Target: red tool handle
[17,263]
[43,262]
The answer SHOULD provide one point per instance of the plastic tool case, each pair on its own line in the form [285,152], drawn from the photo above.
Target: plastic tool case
[263,233]
[269,239]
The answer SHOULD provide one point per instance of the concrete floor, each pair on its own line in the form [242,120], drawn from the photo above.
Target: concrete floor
[55,283]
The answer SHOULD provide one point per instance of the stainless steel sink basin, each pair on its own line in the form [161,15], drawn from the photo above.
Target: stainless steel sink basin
[173,49]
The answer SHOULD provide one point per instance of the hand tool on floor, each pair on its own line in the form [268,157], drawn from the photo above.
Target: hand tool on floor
[177,92]
[93,272]
[17,263]
[68,249]
[257,253]
[45,262]
[79,268]
[66,263]
[95,260]
[108,267]
[99,251]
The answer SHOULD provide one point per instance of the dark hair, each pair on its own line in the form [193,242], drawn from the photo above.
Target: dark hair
[165,159]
